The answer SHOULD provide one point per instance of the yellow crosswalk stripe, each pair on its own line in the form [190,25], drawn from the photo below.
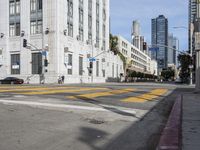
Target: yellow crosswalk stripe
[62,91]
[101,94]
[32,89]
[146,97]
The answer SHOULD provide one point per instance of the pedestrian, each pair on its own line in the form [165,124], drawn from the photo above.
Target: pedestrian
[63,79]
[59,80]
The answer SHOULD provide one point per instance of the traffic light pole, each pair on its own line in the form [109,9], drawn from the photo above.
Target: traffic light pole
[44,59]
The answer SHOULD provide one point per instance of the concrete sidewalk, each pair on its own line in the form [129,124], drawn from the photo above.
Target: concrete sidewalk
[191,122]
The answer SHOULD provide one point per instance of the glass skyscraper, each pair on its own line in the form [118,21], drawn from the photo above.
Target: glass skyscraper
[159,38]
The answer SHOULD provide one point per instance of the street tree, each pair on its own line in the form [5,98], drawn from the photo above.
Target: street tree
[185,61]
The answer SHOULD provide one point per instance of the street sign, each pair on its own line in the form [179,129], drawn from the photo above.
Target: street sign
[91,59]
[44,53]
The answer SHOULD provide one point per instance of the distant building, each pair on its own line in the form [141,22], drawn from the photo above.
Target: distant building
[137,60]
[172,47]
[159,38]
[154,67]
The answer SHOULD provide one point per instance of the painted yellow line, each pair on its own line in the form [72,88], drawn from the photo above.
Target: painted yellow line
[146,97]
[14,86]
[33,89]
[78,89]
[101,94]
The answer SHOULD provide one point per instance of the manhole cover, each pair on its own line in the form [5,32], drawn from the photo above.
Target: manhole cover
[95,121]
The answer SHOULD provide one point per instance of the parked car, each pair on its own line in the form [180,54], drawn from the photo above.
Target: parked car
[11,80]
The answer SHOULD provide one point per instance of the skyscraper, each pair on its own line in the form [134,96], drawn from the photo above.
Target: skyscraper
[172,44]
[159,38]
[136,33]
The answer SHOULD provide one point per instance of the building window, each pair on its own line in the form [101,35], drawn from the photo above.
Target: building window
[12,8]
[81,30]
[33,5]
[81,15]
[69,70]
[36,27]
[36,5]
[39,4]
[70,8]
[70,29]
[36,17]
[12,30]
[104,73]
[15,63]
[33,27]
[81,33]
[80,66]
[17,7]
[97,68]
[90,21]
[70,17]
[97,23]
[17,29]
[36,63]
[14,20]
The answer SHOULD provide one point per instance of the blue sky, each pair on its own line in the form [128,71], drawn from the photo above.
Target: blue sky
[123,12]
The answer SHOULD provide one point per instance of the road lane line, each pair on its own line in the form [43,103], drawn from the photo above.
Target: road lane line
[101,94]
[146,97]
[34,89]
[88,108]
[62,91]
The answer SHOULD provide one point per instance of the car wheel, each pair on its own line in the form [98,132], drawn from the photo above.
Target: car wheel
[0,82]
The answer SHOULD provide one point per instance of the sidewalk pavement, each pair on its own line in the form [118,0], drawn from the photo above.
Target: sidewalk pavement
[191,122]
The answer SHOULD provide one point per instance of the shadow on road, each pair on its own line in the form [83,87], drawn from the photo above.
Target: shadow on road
[141,135]
[112,109]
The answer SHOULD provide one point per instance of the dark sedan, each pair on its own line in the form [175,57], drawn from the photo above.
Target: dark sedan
[12,80]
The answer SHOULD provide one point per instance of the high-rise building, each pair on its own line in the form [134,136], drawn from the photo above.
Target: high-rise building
[159,38]
[62,33]
[136,33]
[172,47]
[137,39]
[191,19]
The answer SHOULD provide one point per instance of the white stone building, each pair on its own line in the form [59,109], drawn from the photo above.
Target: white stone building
[137,59]
[69,32]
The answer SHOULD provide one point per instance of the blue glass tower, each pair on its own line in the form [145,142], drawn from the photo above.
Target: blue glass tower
[159,38]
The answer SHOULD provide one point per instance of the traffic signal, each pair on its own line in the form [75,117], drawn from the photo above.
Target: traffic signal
[24,42]
[46,63]
[91,64]
[144,46]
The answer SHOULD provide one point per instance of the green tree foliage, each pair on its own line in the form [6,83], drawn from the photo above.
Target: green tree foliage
[114,48]
[113,44]
[168,74]
[185,61]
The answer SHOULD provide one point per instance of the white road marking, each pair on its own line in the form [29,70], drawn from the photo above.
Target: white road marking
[28,103]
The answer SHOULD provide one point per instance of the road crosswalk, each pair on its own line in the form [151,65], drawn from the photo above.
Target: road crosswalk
[124,95]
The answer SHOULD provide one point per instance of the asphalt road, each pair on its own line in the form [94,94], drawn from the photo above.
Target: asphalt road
[84,117]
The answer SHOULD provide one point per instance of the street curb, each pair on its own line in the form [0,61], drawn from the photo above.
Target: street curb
[171,136]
